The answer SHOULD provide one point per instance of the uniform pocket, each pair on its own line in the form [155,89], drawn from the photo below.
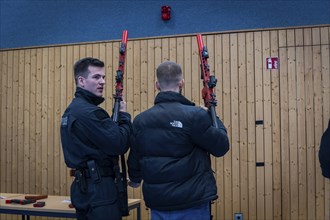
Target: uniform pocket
[103,192]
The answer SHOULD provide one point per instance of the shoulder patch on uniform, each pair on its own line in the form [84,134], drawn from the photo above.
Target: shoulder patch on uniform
[64,121]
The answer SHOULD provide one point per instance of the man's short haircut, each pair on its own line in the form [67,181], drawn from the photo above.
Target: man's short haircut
[81,67]
[168,74]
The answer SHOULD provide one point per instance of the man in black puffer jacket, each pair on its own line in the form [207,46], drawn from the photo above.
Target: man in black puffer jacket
[173,141]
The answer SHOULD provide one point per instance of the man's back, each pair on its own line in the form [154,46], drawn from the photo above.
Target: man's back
[174,163]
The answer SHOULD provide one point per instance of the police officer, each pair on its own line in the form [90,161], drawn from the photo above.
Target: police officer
[90,141]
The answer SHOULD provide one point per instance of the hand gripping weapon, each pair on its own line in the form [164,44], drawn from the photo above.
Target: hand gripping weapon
[120,177]
[209,82]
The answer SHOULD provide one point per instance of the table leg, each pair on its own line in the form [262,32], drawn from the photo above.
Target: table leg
[138,213]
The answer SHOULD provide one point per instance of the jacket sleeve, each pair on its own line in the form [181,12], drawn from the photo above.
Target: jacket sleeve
[133,162]
[213,140]
[110,137]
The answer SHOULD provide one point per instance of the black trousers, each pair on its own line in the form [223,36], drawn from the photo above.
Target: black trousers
[99,201]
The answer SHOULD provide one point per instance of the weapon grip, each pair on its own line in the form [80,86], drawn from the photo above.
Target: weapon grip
[214,116]
[116,110]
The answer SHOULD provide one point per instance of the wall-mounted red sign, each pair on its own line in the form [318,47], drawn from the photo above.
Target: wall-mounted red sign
[272,63]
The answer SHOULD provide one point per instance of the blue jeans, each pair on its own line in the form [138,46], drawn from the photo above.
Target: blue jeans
[201,212]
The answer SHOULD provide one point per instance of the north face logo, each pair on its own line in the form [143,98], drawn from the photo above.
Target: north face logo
[177,124]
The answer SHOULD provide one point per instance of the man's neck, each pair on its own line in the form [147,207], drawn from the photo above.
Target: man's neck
[171,90]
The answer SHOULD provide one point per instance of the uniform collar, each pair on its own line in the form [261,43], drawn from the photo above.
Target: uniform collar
[90,97]
[170,96]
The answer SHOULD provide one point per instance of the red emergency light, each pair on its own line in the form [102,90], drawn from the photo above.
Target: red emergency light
[166,13]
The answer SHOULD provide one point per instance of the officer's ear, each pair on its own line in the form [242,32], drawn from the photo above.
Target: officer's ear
[81,81]
[181,83]
[157,85]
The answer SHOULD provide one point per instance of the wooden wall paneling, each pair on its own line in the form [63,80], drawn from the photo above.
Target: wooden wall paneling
[140,87]
[96,50]
[4,119]
[15,111]
[219,166]
[109,75]
[144,75]
[151,72]
[3,148]
[284,115]
[309,123]
[186,68]
[301,134]
[196,83]
[179,52]
[50,121]
[44,121]
[259,128]
[21,125]
[292,105]
[228,208]
[89,50]
[26,119]
[128,75]
[136,77]
[172,49]
[32,115]
[165,49]
[71,84]
[276,136]
[65,57]
[38,148]
[325,60]
[234,121]
[101,50]
[3,79]
[252,184]
[267,108]
[9,127]
[218,72]
[59,52]
[242,127]
[220,69]
[317,79]
[82,51]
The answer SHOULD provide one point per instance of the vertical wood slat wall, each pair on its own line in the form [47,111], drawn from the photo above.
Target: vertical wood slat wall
[293,102]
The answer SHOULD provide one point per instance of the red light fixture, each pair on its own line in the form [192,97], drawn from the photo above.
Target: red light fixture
[166,13]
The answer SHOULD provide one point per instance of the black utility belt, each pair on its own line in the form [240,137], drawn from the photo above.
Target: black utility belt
[103,172]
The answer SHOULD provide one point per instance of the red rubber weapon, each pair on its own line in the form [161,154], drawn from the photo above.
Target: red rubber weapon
[209,81]
[118,96]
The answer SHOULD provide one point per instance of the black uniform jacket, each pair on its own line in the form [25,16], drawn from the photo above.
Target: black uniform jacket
[88,133]
[173,140]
